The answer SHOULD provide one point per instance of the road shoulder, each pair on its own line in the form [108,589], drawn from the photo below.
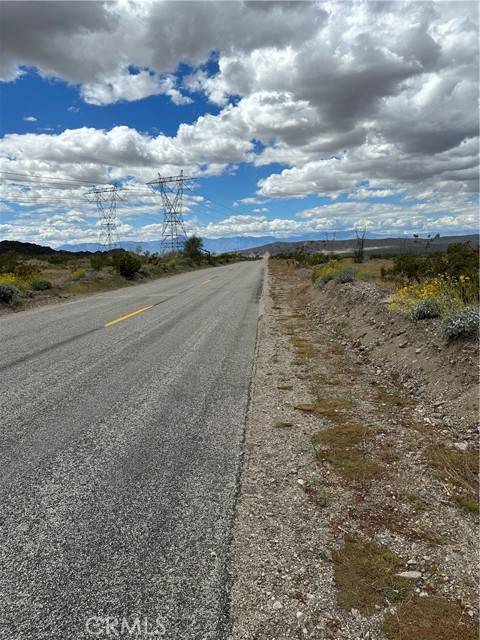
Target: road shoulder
[305,518]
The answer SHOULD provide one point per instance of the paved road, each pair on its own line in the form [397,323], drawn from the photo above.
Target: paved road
[119,455]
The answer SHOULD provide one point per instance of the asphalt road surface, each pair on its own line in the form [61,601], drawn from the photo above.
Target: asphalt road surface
[122,426]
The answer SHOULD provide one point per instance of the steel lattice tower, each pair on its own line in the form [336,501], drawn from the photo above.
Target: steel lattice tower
[173,230]
[106,201]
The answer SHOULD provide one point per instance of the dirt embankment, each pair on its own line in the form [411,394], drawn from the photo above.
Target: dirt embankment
[358,508]
[442,375]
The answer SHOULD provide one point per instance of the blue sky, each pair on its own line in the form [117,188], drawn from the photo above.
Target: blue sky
[293,119]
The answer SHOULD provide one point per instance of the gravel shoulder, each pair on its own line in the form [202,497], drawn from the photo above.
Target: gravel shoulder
[351,522]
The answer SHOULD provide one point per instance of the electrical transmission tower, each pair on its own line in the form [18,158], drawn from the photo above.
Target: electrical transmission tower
[173,230]
[106,201]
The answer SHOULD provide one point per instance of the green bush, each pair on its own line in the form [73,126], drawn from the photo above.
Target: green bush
[26,269]
[40,285]
[193,248]
[8,262]
[78,273]
[127,264]
[58,259]
[9,293]
[460,259]
[346,275]
[98,261]
[461,324]
[424,310]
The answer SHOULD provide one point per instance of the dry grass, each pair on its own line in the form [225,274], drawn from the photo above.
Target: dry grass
[430,618]
[341,436]
[460,470]
[394,399]
[352,465]
[365,576]
[417,503]
[326,407]
[303,349]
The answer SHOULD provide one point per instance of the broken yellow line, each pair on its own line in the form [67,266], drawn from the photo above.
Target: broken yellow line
[126,317]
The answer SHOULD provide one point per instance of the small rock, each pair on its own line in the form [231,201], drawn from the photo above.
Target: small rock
[403,344]
[461,446]
[277,605]
[410,575]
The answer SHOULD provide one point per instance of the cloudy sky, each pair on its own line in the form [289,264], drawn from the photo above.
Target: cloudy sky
[292,117]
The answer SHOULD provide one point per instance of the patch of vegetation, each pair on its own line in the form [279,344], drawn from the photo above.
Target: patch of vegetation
[442,284]
[341,436]
[459,259]
[395,399]
[9,294]
[285,387]
[460,470]
[40,285]
[317,494]
[429,618]
[346,275]
[366,576]
[98,261]
[352,465]
[303,348]
[327,407]
[425,310]
[78,273]
[126,264]
[417,502]
[193,247]
[461,324]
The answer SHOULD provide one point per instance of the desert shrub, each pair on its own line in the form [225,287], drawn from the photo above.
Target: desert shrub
[58,259]
[460,259]
[9,261]
[40,285]
[78,273]
[98,261]
[424,310]
[461,324]
[303,258]
[16,281]
[449,294]
[127,264]
[193,247]
[9,293]
[26,269]
[328,271]
[145,271]
[346,275]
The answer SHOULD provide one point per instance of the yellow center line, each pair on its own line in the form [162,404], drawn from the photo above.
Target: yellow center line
[205,281]
[129,315]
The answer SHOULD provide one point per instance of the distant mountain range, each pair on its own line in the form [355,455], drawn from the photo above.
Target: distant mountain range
[252,245]
[233,243]
[377,245]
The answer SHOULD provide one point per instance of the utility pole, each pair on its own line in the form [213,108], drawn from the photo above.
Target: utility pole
[173,230]
[106,201]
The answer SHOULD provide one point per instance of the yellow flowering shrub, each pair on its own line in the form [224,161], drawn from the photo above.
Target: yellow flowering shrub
[449,294]
[329,270]
[21,282]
